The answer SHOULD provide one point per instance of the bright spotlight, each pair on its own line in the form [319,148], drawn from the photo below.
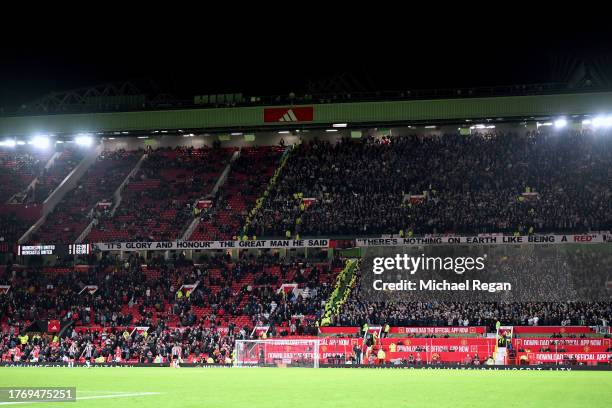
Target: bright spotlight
[560,123]
[41,142]
[602,121]
[83,140]
[8,143]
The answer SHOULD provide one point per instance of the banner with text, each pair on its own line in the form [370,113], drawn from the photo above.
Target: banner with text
[440,330]
[185,245]
[484,240]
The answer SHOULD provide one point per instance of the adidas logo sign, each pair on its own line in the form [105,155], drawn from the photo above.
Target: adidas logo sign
[289,116]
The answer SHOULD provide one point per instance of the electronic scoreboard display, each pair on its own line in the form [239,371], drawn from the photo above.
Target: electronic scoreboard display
[79,249]
[54,249]
[38,249]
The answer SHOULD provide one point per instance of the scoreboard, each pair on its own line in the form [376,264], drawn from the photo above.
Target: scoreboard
[39,249]
[54,249]
[79,249]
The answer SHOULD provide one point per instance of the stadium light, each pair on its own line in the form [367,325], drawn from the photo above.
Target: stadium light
[40,142]
[331,130]
[602,121]
[283,132]
[21,142]
[538,124]
[586,122]
[83,140]
[560,123]
[340,125]
[236,134]
[8,143]
[143,137]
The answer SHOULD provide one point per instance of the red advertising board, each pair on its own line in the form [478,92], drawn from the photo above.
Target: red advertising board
[440,330]
[480,330]
[338,330]
[289,114]
[552,329]
[53,326]
[589,358]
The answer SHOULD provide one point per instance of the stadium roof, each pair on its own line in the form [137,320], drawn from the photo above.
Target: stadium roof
[315,115]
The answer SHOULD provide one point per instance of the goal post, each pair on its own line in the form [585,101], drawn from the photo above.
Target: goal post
[277,353]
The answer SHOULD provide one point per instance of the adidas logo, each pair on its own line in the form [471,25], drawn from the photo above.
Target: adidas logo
[289,116]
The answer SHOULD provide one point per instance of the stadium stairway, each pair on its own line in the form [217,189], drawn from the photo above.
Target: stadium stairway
[65,186]
[116,198]
[259,201]
[238,194]
[220,181]
[35,180]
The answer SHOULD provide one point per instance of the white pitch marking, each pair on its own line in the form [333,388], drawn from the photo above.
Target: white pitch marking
[135,394]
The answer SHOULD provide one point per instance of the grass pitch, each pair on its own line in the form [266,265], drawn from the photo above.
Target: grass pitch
[320,388]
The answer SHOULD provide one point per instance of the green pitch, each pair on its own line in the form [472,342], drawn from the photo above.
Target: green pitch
[320,388]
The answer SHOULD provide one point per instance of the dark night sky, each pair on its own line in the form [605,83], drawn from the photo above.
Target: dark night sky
[273,64]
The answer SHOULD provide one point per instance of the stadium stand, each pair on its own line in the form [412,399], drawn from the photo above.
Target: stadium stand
[483,183]
[98,184]
[247,180]
[11,228]
[231,297]
[18,168]
[157,203]
[137,309]
[50,178]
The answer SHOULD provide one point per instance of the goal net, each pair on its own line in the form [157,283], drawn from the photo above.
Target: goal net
[277,353]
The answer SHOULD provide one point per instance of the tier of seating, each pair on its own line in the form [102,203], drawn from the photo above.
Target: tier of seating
[205,306]
[247,180]
[98,184]
[482,183]
[156,204]
[50,178]
[18,168]
[235,296]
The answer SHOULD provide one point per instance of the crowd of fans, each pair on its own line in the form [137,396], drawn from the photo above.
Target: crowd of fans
[123,345]
[495,182]
[482,183]
[525,182]
[231,299]
[247,180]
[360,310]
